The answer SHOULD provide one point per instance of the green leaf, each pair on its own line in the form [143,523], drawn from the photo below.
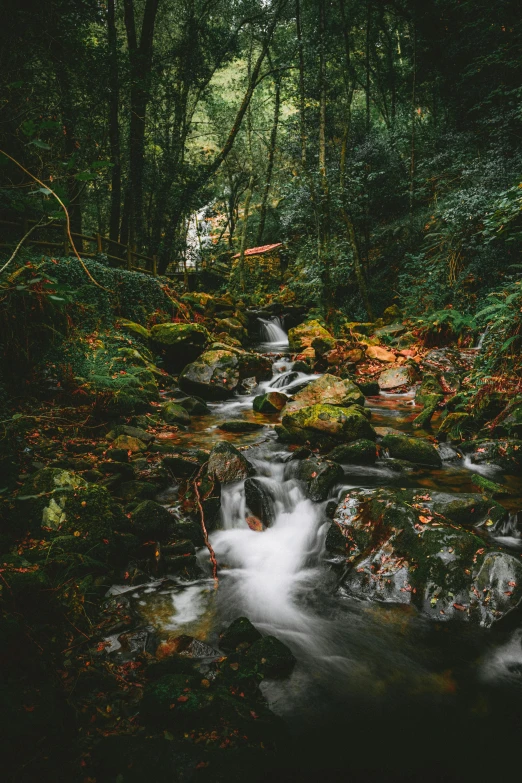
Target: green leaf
[16,416]
[40,144]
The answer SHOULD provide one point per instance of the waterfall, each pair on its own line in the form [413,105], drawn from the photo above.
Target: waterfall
[272,332]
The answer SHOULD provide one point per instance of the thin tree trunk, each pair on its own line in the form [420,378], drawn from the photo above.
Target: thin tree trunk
[141,65]
[302,118]
[244,234]
[413,114]
[271,158]
[324,216]
[367,62]
[114,128]
[359,275]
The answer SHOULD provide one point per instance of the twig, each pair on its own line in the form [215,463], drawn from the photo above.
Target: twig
[68,222]
[203,527]
[19,245]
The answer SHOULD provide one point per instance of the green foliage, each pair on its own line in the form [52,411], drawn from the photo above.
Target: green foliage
[445,327]
[503,340]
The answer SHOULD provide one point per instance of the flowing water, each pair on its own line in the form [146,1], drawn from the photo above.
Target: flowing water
[378,691]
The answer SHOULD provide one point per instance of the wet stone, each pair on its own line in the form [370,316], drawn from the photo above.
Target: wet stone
[240,425]
[259,500]
[240,633]
[227,464]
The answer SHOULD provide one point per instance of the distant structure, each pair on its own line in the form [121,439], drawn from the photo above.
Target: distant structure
[267,258]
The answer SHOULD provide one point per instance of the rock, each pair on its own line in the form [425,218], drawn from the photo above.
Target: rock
[498,586]
[172,413]
[383,431]
[43,497]
[456,425]
[123,469]
[380,353]
[232,327]
[180,343]
[506,453]
[272,658]
[327,390]
[132,432]
[272,402]
[131,491]
[431,403]
[137,330]
[181,465]
[240,633]
[390,331]
[152,521]
[327,425]
[395,378]
[510,422]
[214,376]
[430,385]
[128,443]
[301,337]
[467,509]
[193,405]
[398,553]
[254,365]
[391,314]
[240,425]
[369,388]
[301,366]
[259,501]
[179,690]
[319,476]
[360,452]
[415,450]
[227,464]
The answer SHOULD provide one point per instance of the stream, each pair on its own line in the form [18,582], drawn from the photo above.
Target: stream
[378,691]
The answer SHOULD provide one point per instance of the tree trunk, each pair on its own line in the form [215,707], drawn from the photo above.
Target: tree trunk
[141,65]
[244,234]
[271,157]
[114,129]
[302,119]
[323,212]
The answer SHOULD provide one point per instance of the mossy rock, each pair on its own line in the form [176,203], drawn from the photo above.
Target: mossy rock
[271,402]
[42,499]
[174,699]
[396,552]
[327,425]
[259,501]
[505,452]
[457,425]
[369,388]
[214,376]
[172,413]
[137,330]
[271,657]
[134,491]
[240,633]
[327,390]
[151,521]
[227,464]
[430,385]
[301,337]
[179,343]
[132,432]
[240,425]
[431,403]
[360,452]
[415,450]
[128,443]
[319,476]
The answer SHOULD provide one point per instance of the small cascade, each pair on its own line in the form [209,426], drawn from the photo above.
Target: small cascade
[508,532]
[480,341]
[273,333]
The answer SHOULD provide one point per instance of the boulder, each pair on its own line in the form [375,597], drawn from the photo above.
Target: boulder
[327,390]
[326,425]
[301,337]
[259,501]
[395,378]
[137,330]
[393,551]
[240,425]
[128,443]
[456,425]
[415,450]
[380,353]
[151,521]
[132,432]
[319,476]
[172,413]
[272,402]
[431,403]
[239,634]
[360,452]
[193,405]
[227,464]
[271,657]
[254,365]
[180,343]
[214,376]
[506,453]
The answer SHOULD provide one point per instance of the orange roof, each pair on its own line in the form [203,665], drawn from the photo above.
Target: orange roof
[257,251]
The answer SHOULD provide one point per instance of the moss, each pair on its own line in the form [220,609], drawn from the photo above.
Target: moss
[327,425]
[414,450]
[173,413]
[214,376]
[302,336]
[431,403]
[271,657]
[360,452]
[240,633]
[272,402]
[151,521]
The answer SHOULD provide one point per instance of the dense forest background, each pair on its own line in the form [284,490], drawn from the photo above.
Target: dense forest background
[380,141]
